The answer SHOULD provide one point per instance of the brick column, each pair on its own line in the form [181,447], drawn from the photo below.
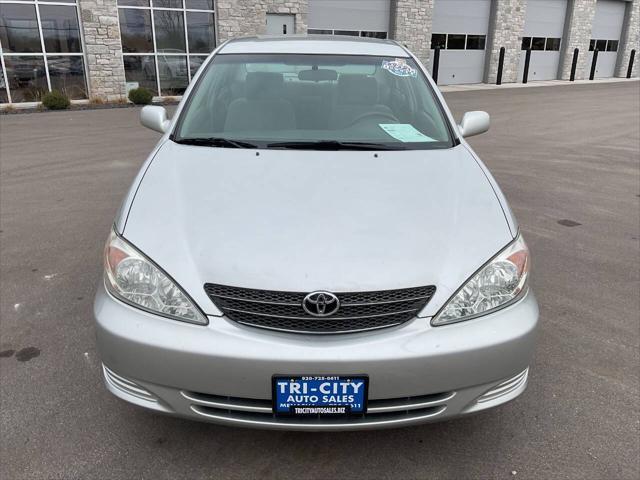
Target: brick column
[630,40]
[238,18]
[577,34]
[505,30]
[103,49]
[411,25]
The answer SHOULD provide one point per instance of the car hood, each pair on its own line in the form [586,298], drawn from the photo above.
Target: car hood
[301,221]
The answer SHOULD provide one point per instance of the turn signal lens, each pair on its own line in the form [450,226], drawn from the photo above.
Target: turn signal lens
[498,283]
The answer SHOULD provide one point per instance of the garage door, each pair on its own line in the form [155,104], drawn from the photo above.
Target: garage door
[543,29]
[460,30]
[368,18]
[605,36]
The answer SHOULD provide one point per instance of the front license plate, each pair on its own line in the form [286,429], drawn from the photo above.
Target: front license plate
[320,395]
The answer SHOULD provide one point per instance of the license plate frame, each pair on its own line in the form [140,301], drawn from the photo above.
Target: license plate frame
[321,408]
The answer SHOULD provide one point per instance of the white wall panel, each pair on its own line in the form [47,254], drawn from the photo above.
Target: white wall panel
[607,25]
[608,21]
[545,18]
[461,16]
[372,15]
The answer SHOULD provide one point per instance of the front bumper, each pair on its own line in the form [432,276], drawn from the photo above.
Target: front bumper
[222,372]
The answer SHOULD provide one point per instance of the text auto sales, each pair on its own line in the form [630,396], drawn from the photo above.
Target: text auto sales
[327,392]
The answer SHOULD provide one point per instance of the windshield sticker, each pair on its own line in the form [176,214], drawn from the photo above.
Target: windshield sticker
[405,132]
[399,68]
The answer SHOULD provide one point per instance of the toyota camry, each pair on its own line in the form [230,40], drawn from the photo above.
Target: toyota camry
[313,245]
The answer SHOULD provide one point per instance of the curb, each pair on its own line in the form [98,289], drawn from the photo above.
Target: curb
[531,84]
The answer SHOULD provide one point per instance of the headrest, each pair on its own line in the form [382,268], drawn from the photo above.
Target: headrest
[264,85]
[361,89]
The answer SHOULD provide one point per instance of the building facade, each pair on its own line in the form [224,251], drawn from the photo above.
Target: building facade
[98,49]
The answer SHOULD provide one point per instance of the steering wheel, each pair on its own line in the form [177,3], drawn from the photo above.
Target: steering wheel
[359,118]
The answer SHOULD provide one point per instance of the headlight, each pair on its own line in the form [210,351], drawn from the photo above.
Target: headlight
[134,279]
[500,282]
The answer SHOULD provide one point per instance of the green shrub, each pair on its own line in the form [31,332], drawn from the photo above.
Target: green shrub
[56,100]
[141,96]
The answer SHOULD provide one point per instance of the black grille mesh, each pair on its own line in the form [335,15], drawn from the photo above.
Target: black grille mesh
[358,311]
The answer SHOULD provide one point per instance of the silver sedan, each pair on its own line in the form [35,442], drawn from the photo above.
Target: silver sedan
[313,245]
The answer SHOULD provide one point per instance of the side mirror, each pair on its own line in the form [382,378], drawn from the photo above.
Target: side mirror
[155,118]
[474,123]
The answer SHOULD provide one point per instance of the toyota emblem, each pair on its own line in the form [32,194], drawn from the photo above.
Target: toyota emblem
[321,304]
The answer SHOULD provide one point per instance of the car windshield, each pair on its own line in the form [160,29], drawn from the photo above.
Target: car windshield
[313,102]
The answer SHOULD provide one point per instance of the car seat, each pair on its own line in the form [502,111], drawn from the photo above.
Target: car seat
[262,107]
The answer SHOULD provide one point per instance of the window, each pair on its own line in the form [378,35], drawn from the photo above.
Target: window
[200,28]
[438,40]
[553,44]
[133,3]
[167,3]
[41,50]
[603,45]
[475,42]
[67,75]
[350,33]
[254,98]
[199,4]
[164,42]
[141,70]
[27,77]
[173,74]
[195,63]
[60,29]
[3,88]
[169,30]
[455,41]
[540,43]
[373,34]
[537,43]
[135,30]
[19,28]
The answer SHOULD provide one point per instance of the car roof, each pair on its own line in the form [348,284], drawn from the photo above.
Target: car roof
[314,44]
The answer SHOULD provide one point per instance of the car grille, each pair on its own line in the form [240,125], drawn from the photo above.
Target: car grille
[258,412]
[358,311]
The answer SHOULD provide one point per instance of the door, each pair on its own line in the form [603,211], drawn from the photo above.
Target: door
[543,29]
[460,30]
[280,24]
[605,36]
[368,18]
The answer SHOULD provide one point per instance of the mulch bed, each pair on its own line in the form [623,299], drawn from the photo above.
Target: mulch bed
[79,106]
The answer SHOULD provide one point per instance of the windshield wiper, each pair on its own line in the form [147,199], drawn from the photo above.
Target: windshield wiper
[215,142]
[332,145]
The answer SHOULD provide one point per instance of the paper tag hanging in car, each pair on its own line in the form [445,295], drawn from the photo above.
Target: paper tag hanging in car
[399,68]
[405,132]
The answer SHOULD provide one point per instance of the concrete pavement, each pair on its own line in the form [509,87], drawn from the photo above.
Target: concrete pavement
[568,161]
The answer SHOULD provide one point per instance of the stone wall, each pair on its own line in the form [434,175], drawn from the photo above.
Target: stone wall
[103,49]
[505,30]
[411,25]
[630,40]
[237,18]
[580,15]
